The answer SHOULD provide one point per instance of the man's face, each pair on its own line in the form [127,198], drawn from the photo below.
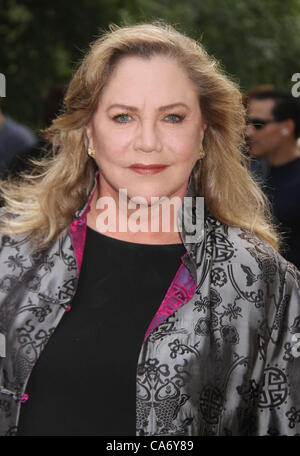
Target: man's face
[265,140]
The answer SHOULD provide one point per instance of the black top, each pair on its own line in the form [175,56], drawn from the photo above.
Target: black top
[283,189]
[84,382]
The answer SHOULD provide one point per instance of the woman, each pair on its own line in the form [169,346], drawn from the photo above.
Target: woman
[197,325]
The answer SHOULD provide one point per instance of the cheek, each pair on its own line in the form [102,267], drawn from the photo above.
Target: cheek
[110,145]
[186,151]
[185,143]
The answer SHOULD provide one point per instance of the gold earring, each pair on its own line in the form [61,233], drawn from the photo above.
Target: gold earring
[201,154]
[91,152]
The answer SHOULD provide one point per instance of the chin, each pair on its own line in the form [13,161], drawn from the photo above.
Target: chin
[256,154]
[145,199]
[146,192]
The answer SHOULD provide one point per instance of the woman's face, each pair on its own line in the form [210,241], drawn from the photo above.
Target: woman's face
[148,114]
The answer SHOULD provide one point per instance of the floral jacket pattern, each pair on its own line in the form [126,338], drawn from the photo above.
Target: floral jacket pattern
[220,356]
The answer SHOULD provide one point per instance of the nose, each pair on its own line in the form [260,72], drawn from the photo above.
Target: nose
[147,137]
[250,131]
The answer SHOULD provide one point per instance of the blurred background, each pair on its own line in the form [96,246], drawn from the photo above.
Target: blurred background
[41,42]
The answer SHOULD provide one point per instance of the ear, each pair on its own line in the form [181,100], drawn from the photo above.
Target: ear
[291,126]
[288,126]
[89,133]
[203,128]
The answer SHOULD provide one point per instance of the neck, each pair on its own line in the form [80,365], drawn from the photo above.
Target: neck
[142,225]
[281,156]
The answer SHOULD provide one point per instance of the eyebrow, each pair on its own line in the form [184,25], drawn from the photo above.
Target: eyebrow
[162,108]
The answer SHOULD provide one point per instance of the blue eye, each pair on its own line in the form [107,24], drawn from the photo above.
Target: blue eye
[122,118]
[174,118]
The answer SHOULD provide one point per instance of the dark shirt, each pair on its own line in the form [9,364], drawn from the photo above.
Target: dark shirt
[283,190]
[103,334]
[259,169]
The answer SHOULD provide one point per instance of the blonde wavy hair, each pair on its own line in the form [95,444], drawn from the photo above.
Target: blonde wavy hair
[46,200]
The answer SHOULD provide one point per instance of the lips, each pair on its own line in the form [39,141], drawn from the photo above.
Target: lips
[147,169]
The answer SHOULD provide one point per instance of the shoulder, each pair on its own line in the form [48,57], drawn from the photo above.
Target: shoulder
[23,266]
[252,259]
[22,244]
[19,130]
[16,136]
[232,242]
[10,241]
[247,271]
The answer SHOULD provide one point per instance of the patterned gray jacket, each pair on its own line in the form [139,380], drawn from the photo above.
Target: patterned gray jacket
[220,356]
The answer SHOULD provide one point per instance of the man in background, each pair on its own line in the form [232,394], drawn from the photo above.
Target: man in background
[52,101]
[272,133]
[15,139]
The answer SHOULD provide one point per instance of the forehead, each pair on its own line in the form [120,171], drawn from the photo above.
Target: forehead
[156,76]
[261,109]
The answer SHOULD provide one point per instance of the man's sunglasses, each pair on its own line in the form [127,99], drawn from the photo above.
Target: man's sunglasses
[258,124]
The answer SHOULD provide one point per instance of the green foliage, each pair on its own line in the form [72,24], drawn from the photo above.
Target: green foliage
[42,41]
[257,41]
